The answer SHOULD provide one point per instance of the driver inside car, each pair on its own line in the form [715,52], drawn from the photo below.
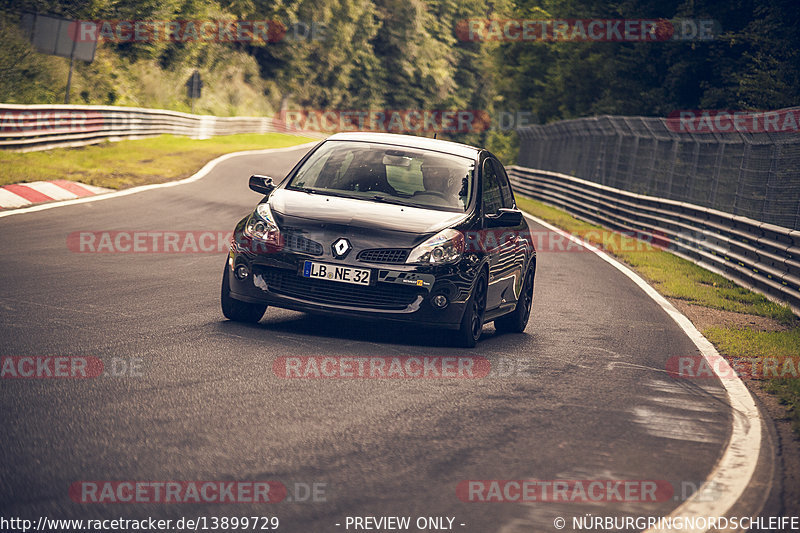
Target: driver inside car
[439,181]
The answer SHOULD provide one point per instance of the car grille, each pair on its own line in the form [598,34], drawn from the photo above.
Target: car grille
[295,242]
[384,255]
[384,296]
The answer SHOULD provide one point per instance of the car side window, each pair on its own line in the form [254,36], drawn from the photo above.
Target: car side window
[492,196]
[505,185]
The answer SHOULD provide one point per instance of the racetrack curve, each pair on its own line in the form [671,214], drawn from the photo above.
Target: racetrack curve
[594,402]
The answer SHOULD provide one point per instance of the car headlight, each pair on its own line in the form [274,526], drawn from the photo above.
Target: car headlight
[444,247]
[262,226]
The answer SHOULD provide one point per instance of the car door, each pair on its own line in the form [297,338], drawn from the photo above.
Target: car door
[499,241]
[518,246]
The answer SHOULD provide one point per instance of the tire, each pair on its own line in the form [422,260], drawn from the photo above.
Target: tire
[472,322]
[516,320]
[237,310]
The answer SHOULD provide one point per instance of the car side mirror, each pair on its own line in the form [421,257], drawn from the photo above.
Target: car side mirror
[262,184]
[505,218]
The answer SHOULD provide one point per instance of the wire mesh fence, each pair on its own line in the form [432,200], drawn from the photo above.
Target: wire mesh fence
[749,170]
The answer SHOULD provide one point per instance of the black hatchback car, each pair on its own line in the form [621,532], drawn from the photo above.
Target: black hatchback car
[390,227]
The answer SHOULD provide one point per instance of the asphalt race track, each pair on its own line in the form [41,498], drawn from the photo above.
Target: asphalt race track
[583,394]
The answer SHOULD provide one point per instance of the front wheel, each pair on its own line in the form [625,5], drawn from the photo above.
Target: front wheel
[516,320]
[472,322]
[237,310]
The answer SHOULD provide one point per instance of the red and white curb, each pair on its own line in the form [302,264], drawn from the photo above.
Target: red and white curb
[36,192]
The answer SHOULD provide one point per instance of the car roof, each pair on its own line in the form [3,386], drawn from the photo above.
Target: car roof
[409,141]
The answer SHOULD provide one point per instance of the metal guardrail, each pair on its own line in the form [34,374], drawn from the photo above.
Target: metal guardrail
[757,255]
[42,127]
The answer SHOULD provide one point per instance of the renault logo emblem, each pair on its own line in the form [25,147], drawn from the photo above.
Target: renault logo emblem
[340,248]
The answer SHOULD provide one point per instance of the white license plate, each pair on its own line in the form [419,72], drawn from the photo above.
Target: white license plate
[344,274]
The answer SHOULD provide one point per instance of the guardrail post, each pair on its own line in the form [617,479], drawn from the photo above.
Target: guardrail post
[206,127]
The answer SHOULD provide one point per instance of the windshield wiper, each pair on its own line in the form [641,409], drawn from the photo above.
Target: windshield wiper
[308,190]
[385,200]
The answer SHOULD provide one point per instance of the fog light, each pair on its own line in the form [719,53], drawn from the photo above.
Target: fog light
[440,301]
[241,272]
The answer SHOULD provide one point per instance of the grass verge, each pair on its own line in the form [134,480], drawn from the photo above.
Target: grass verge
[780,347]
[682,280]
[123,164]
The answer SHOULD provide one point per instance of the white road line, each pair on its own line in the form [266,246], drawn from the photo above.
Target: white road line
[732,473]
[51,189]
[199,175]
[9,199]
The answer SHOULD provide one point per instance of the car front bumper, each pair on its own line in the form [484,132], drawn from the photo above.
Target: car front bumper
[275,279]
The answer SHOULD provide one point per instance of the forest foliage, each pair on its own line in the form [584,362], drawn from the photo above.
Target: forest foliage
[409,54]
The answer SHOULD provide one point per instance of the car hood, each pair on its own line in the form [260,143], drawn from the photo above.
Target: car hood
[295,207]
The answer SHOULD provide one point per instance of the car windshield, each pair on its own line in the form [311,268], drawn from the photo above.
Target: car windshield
[391,174]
